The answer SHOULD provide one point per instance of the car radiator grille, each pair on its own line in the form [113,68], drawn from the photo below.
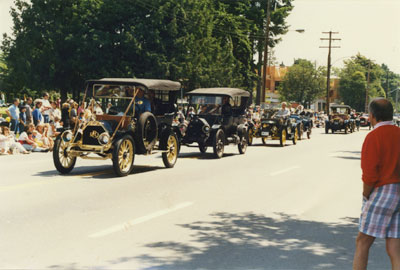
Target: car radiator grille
[90,135]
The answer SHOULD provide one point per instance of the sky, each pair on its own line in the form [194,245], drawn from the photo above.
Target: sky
[369,27]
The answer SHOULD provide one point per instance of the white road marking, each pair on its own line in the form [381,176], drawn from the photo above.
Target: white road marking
[131,223]
[284,171]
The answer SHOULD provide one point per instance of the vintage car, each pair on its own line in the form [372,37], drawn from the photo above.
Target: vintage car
[274,127]
[216,117]
[304,124]
[364,120]
[339,119]
[123,131]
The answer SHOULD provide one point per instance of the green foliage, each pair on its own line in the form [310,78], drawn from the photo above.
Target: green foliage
[353,81]
[303,83]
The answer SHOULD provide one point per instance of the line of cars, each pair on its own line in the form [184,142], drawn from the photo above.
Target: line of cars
[216,117]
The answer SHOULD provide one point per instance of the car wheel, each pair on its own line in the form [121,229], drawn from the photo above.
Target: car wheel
[219,143]
[333,131]
[250,136]
[326,130]
[63,161]
[203,148]
[242,146]
[295,136]
[308,134]
[345,130]
[282,137]
[300,132]
[170,157]
[123,156]
[147,132]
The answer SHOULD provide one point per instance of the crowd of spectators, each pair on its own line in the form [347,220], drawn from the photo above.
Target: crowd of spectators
[33,125]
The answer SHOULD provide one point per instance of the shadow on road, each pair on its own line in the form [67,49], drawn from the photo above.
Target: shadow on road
[98,172]
[253,241]
[205,156]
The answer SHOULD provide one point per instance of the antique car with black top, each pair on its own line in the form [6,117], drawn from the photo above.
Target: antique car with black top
[216,117]
[274,127]
[138,121]
[339,119]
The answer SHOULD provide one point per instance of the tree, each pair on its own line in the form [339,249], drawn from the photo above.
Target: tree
[302,83]
[353,81]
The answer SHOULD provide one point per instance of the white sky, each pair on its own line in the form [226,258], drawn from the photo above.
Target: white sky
[370,27]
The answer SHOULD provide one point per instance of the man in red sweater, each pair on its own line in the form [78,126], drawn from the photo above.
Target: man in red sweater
[380,163]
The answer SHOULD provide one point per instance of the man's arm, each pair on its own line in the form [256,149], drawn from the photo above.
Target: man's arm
[367,190]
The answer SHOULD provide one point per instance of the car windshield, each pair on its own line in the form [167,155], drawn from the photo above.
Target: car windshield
[113,91]
[206,105]
[340,110]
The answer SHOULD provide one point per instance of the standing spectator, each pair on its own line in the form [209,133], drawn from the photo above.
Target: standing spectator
[380,163]
[46,108]
[73,115]
[28,105]
[22,118]
[37,112]
[65,115]
[13,113]
[54,111]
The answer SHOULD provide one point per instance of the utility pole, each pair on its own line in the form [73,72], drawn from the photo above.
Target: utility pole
[328,81]
[366,90]
[265,62]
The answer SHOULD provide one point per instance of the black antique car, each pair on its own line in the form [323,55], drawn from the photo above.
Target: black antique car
[304,124]
[274,127]
[216,117]
[339,119]
[122,131]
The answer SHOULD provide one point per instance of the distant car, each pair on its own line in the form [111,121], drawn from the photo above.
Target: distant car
[339,119]
[396,119]
[364,120]
[273,127]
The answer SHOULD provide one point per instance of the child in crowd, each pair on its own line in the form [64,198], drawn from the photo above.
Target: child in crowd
[8,143]
[27,140]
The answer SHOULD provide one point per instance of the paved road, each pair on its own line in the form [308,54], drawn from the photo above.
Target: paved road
[295,207]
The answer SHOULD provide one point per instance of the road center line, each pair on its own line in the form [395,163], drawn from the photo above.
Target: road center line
[136,221]
[284,171]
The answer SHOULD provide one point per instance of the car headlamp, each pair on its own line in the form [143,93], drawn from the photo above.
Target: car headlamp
[104,138]
[206,129]
[68,136]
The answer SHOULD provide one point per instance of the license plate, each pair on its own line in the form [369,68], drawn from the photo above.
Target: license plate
[265,133]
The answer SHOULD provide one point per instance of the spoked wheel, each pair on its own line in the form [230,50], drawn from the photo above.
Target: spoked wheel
[123,156]
[300,133]
[202,148]
[169,158]
[63,161]
[242,146]
[282,137]
[219,144]
[250,136]
[345,130]
[295,136]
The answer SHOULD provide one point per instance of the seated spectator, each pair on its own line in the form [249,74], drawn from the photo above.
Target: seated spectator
[28,142]
[42,137]
[2,143]
[9,144]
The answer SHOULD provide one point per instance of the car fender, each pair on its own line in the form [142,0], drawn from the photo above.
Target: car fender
[241,129]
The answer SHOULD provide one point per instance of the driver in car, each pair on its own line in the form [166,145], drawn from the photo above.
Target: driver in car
[283,112]
[142,104]
[226,107]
